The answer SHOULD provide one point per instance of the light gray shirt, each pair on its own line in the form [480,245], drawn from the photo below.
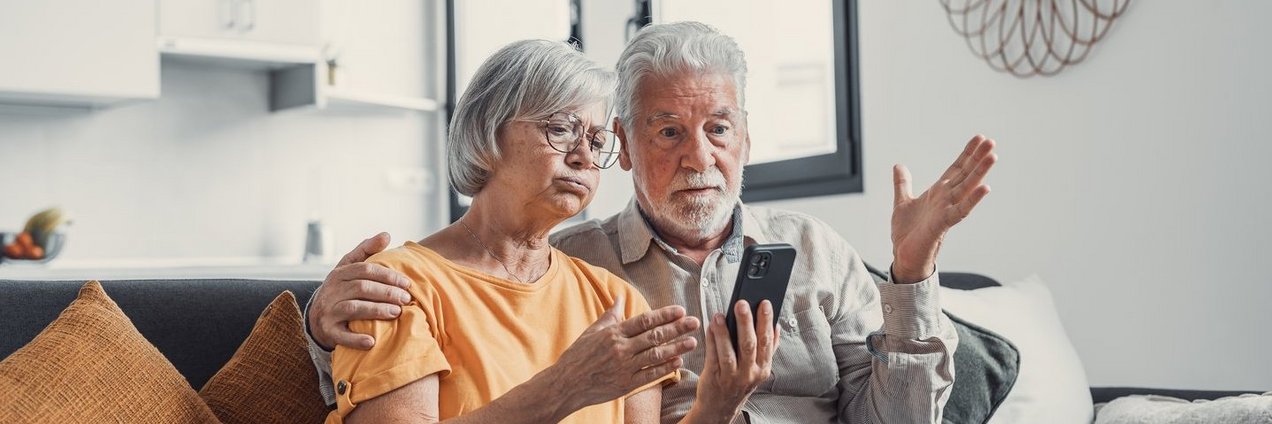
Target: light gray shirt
[852,350]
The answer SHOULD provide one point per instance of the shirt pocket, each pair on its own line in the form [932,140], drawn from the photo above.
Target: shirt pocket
[804,364]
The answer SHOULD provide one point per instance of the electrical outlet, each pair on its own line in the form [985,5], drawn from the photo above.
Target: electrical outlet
[409,180]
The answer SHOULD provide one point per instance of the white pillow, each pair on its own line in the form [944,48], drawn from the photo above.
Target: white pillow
[1151,409]
[1052,385]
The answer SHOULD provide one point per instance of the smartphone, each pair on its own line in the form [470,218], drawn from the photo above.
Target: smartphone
[763,275]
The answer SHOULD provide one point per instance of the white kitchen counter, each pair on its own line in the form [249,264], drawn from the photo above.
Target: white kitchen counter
[167,268]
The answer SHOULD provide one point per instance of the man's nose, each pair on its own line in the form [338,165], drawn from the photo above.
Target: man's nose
[701,153]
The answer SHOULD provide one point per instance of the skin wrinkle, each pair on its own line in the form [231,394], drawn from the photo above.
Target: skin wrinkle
[519,240]
[691,104]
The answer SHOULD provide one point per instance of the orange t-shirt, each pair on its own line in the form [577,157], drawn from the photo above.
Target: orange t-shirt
[481,334]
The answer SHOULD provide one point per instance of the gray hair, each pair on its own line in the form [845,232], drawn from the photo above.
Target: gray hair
[665,49]
[528,79]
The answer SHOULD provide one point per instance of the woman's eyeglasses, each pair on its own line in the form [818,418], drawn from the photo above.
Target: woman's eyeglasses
[565,131]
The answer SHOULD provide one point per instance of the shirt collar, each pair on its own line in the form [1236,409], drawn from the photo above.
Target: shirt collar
[635,234]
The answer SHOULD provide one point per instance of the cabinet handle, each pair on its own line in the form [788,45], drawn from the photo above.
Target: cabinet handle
[245,15]
[225,12]
[251,22]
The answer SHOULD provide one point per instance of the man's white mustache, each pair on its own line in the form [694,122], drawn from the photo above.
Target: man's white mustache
[712,178]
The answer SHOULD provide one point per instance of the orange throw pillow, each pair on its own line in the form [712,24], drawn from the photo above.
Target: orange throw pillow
[91,365]
[270,379]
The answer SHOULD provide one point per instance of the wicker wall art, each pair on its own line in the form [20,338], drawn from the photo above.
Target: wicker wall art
[1032,37]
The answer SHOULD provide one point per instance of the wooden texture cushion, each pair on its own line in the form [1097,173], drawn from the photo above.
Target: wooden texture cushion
[91,365]
[270,379]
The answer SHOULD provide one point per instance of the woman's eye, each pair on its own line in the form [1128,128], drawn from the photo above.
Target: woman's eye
[667,132]
[558,129]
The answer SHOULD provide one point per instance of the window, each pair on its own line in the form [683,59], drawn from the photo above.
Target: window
[802,94]
[476,29]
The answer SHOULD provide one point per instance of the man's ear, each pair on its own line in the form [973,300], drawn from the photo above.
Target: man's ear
[624,151]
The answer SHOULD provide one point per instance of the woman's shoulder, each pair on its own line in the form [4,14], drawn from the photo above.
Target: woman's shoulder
[578,265]
[401,257]
[419,264]
[606,282]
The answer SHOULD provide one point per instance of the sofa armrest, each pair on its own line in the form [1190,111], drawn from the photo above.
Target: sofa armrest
[1105,394]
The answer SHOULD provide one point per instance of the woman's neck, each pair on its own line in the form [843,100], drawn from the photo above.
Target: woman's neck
[491,239]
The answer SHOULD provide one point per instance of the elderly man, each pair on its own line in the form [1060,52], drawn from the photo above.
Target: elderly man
[849,349]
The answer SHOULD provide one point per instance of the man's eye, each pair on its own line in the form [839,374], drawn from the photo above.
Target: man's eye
[720,130]
[667,132]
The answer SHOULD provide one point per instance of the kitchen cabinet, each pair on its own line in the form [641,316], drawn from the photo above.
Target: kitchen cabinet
[320,54]
[285,22]
[268,34]
[388,54]
[78,53]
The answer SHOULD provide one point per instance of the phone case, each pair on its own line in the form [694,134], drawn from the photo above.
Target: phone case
[764,273]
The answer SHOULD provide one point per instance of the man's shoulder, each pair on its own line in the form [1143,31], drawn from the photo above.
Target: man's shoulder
[782,224]
[781,215]
[586,233]
[595,241]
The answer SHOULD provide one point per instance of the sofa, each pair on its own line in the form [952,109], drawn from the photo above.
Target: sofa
[970,281]
[199,324]
[196,324]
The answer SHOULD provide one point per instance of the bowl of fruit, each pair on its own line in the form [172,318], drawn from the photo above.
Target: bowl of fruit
[39,242]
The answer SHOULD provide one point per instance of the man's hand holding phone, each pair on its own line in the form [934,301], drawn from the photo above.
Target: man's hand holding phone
[740,346]
[729,378]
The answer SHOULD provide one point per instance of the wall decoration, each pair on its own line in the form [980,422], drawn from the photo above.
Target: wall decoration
[1032,37]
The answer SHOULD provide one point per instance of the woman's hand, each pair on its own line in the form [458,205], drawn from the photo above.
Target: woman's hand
[728,380]
[613,357]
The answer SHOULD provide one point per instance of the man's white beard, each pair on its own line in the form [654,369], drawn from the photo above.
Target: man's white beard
[695,217]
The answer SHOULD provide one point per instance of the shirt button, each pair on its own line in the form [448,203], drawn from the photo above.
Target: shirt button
[341,387]
[887,308]
[792,323]
[706,283]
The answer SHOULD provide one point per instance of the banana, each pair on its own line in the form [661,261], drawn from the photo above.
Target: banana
[44,223]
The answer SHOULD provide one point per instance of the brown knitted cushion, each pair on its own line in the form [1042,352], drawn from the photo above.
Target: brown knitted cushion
[270,379]
[91,365]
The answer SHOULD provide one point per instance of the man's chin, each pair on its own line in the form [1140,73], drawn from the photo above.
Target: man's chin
[695,220]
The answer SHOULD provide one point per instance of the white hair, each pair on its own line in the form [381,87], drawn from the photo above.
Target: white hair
[665,49]
[529,79]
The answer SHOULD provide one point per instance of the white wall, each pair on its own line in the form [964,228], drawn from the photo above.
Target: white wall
[1133,183]
[207,171]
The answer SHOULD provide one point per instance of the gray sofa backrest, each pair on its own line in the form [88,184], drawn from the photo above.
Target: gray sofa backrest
[197,324]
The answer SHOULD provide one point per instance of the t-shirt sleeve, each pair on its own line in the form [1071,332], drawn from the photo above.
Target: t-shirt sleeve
[406,350]
[637,305]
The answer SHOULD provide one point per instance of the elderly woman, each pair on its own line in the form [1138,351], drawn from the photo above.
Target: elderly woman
[502,327]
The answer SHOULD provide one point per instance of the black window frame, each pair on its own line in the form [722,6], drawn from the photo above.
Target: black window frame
[818,175]
[831,173]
